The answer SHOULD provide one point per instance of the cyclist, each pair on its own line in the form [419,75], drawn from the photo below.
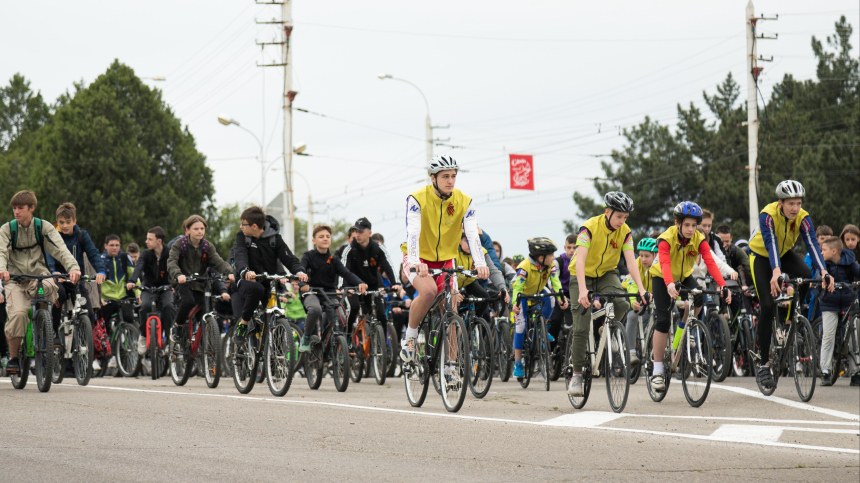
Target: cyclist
[841,263]
[532,276]
[119,268]
[781,223]
[435,216]
[677,251]
[24,242]
[258,249]
[599,245]
[562,261]
[497,281]
[647,253]
[365,258]
[151,268]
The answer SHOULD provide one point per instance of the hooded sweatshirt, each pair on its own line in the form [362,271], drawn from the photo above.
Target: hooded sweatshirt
[261,255]
[845,270]
[77,251]
[113,287]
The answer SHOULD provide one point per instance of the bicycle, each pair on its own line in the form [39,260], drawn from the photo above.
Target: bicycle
[270,341]
[480,347]
[368,341]
[329,344]
[156,348]
[536,346]
[792,338]
[742,330]
[845,344]
[503,341]
[440,335]
[38,342]
[639,344]
[693,358]
[123,343]
[202,342]
[76,339]
[711,314]
[392,337]
[612,345]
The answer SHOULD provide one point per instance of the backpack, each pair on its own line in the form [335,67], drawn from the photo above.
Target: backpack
[101,344]
[40,237]
[204,247]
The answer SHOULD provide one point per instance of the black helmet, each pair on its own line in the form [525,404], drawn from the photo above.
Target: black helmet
[541,245]
[618,201]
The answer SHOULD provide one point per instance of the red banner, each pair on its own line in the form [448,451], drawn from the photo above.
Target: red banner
[522,172]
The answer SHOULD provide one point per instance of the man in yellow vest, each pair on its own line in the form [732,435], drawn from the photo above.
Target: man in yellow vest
[781,223]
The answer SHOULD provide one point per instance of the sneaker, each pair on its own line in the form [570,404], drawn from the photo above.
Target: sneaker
[825,379]
[242,334]
[765,377]
[112,363]
[855,379]
[519,370]
[96,365]
[141,345]
[658,383]
[407,349]
[12,366]
[148,365]
[305,345]
[550,337]
[634,361]
[575,388]
[452,376]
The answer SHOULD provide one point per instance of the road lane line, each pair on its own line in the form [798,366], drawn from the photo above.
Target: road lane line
[748,433]
[752,420]
[785,402]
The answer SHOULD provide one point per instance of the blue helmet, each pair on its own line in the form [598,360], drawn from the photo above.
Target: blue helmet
[688,209]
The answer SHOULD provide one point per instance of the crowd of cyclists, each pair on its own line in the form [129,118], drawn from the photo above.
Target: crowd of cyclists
[689,302]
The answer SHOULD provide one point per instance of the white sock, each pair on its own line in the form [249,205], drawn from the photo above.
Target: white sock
[410,332]
[658,367]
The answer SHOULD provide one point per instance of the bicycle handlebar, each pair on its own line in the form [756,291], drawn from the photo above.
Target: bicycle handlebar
[161,288]
[23,276]
[613,295]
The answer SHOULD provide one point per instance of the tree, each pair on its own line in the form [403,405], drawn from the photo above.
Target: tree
[21,110]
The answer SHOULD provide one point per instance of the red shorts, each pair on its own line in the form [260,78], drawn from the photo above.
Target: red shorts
[440,279]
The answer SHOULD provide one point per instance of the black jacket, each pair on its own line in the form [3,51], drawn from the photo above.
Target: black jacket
[323,270]
[153,272]
[366,263]
[261,255]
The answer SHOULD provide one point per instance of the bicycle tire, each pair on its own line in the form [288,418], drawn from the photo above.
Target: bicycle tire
[454,393]
[227,351]
[314,363]
[528,362]
[506,350]
[378,354]
[280,358]
[480,358]
[44,345]
[556,357]
[245,362]
[415,374]
[543,353]
[648,362]
[127,355]
[393,342]
[298,357]
[209,351]
[749,344]
[356,350]
[180,361]
[616,371]
[696,362]
[805,354]
[58,372]
[82,350]
[19,380]
[340,363]
[774,358]
[722,347]
[154,339]
[578,402]
[637,346]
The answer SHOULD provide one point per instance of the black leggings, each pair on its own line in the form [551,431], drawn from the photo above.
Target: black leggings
[790,263]
[662,301]
[188,299]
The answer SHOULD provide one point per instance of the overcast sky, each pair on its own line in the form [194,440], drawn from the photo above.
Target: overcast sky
[556,79]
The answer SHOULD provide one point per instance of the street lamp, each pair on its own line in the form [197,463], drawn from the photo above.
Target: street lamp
[227,120]
[428,129]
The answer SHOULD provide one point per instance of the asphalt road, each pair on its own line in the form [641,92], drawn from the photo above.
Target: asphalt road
[142,430]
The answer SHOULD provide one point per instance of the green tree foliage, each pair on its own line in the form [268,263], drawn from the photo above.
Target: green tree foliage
[809,131]
[21,111]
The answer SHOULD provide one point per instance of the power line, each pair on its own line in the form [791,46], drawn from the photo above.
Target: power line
[358,124]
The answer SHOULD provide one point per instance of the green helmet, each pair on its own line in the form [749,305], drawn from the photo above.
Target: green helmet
[518,258]
[648,244]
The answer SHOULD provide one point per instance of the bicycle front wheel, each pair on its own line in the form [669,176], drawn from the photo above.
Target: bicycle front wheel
[82,350]
[211,350]
[415,373]
[340,363]
[696,363]
[280,358]
[378,354]
[543,353]
[127,356]
[43,341]
[454,363]
[245,364]
[505,354]
[648,360]
[481,358]
[615,366]
[804,356]
[578,402]
[722,346]
[180,361]
[356,351]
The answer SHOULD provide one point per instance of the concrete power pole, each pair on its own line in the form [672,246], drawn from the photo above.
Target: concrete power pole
[310,221]
[753,71]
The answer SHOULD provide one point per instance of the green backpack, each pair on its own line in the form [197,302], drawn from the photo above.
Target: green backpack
[40,238]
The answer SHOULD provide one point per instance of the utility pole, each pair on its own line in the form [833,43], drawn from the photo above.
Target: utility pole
[310,221]
[288,223]
[753,71]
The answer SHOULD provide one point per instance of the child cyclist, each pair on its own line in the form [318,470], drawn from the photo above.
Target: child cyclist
[647,253]
[840,263]
[677,251]
[532,276]
[781,223]
[497,280]
[599,246]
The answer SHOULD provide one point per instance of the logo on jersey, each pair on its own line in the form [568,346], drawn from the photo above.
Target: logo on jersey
[613,244]
[414,208]
[450,209]
[793,226]
[470,214]
[693,253]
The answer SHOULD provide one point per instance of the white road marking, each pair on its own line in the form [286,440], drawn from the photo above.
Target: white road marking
[751,420]
[748,433]
[785,402]
[584,419]
[560,422]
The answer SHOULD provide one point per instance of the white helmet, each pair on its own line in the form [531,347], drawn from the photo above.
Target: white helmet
[442,162]
[790,189]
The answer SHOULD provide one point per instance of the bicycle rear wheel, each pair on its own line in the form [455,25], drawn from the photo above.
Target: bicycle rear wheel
[393,342]
[245,364]
[454,363]
[180,361]
[505,352]
[356,351]
[227,350]
[43,341]
[722,346]
[19,380]
[648,361]
[556,357]
[528,360]
[58,373]
[126,350]
[280,358]
[775,368]
[340,363]
[804,356]
[696,363]
[615,365]
[82,350]
[543,353]
[578,402]
[378,354]
[298,357]
[415,374]
[637,346]
[481,358]
[211,348]
[155,340]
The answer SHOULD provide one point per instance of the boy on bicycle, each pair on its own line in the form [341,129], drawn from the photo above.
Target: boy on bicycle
[601,241]
[532,276]
[119,269]
[497,280]
[781,223]
[151,268]
[841,264]
[678,248]
[647,253]
[24,242]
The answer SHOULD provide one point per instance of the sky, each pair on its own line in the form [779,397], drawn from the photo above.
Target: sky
[555,79]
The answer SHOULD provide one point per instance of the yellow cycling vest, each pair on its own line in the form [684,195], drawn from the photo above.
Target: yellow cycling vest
[682,257]
[644,274]
[604,248]
[785,231]
[441,223]
[465,260]
[531,279]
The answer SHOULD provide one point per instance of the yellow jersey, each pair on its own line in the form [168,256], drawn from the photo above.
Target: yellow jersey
[604,246]
[465,260]
[441,223]
[682,257]
[644,274]
[776,234]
